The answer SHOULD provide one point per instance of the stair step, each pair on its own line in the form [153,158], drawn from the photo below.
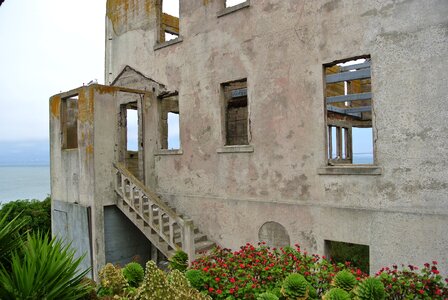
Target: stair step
[204,246]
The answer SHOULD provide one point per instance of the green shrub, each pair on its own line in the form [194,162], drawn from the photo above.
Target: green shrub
[267,296]
[345,280]
[179,261]
[337,294]
[36,214]
[43,269]
[295,286]
[370,289]
[196,278]
[133,273]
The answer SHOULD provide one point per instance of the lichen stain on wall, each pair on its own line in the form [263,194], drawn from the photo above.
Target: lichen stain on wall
[55,104]
[123,14]
[85,106]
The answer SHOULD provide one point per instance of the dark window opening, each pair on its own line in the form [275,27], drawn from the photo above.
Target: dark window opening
[358,255]
[169,123]
[348,100]
[69,122]
[236,113]
[169,20]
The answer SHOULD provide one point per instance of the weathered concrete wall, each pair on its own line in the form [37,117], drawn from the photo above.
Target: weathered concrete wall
[70,222]
[124,242]
[280,47]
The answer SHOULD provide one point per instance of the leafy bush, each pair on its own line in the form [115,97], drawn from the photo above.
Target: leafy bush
[43,268]
[179,261]
[196,278]
[370,289]
[112,281]
[409,282]
[158,285]
[337,294]
[345,280]
[257,269]
[295,286]
[36,214]
[134,274]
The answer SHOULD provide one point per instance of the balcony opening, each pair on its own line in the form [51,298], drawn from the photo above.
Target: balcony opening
[358,255]
[169,125]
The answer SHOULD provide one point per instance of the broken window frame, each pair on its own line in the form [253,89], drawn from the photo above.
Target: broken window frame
[164,108]
[167,23]
[69,132]
[238,95]
[355,110]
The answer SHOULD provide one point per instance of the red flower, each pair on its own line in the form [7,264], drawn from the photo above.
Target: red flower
[217,279]
[435,271]
[219,292]
[205,269]
[231,291]
[210,289]
[266,269]
[421,292]
[232,280]
[434,262]
[242,266]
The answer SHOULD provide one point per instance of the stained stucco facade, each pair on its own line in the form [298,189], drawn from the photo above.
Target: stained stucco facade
[398,206]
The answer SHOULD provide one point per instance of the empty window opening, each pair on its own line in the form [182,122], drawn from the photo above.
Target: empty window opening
[173,131]
[358,255]
[132,130]
[236,112]
[349,112]
[169,123]
[169,20]
[230,3]
[69,122]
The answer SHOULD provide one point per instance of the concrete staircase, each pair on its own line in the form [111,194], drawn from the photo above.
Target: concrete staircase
[166,229]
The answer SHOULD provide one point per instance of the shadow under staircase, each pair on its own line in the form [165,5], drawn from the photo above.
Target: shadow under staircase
[166,229]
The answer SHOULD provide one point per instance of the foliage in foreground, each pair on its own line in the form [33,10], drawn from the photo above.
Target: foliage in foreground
[43,268]
[253,271]
[10,237]
[156,285]
[34,213]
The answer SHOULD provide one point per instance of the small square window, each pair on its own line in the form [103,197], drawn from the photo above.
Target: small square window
[236,112]
[348,102]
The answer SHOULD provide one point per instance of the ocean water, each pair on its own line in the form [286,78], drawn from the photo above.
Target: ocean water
[24,182]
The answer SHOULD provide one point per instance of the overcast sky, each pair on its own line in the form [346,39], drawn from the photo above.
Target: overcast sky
[47,46]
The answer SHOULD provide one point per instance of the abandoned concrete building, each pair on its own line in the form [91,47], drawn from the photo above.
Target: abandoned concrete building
[309,122]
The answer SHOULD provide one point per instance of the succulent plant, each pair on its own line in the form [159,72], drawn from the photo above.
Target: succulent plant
[295,286]
[336,294]
[133,272]
[370,289]
[345,280]
[267,296]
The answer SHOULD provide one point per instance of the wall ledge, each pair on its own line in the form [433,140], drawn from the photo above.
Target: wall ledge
[236,149]
[168,43]
[350,170]
[162,152]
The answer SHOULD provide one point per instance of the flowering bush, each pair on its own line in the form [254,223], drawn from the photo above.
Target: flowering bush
[409,283]
[253,270]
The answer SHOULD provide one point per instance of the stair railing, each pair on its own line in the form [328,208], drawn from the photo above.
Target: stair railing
[153,211]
